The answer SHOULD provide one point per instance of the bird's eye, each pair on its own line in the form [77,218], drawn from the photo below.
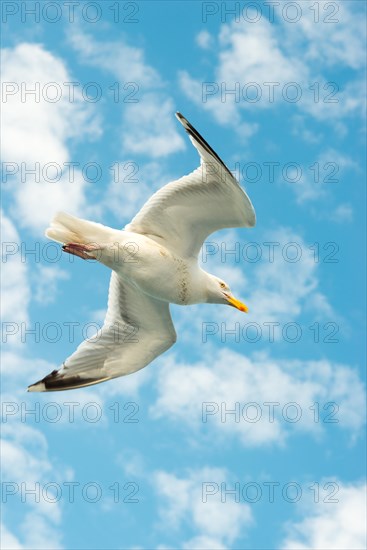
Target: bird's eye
[222,285]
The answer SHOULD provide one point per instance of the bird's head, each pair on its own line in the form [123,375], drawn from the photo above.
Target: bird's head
[220,293]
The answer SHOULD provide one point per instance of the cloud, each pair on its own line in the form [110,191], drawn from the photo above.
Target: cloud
[224,112]
[151,128]
[217,524]
[276,289]
[338,39]
[15,291]
[25,453]
[38,133]
[243,65]
[302,129]
[125,62]
[133,186]
[204,39]
[46,281]
[264,65]
[197,396]
[320,183]
[147,124]
[277,275]
[203,542]
[282,287]
[332,526]
[25,460]
[343,213]
[8,540]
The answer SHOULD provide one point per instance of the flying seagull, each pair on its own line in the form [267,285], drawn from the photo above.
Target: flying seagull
[154,262]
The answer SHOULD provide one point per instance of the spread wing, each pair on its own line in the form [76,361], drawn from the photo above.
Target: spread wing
[137,329]
[184,212]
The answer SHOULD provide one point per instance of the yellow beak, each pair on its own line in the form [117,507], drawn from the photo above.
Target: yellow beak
[236,303]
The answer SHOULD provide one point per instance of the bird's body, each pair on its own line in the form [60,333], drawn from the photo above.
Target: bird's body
[154,262]
[143,262]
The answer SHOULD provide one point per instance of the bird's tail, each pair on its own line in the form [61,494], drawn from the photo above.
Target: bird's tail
[65,228]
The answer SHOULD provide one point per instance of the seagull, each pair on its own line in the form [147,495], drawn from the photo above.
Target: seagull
[154,262]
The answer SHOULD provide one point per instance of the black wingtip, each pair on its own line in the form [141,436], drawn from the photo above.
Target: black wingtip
[200,140]
[59,382]
[181,118]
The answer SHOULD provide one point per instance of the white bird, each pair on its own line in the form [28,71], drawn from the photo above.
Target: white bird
[154,262]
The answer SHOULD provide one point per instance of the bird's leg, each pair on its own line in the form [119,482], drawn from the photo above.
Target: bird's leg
[83,251]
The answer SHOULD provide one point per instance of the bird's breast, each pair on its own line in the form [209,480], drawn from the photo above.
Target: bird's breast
[161,274]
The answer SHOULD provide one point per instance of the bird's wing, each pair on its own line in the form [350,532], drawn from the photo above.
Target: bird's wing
[137,329]
[184,212]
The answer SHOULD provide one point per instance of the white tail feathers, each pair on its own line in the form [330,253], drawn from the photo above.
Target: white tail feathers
[66,228]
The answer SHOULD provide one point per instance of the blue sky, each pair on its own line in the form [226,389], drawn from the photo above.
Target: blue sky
[145,461]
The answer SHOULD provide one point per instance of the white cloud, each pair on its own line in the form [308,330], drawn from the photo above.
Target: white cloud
[283,53]
[283,289]
[204,39]
[332,526]
[301,129]
[125,385]
[133,186]
[15,292]
[39,131]
[20,370]
[38,531]
[275,289]
[24,453]
[46,281]
[257,41]
[217,523]
[25,460]
[243,58]
[37,203]
[343,213]
[334,34]
[151,128]
[8,540]
[320,182]
[148,126]
[132,463]
[225,112]
[230,381]
[125,62]
[279,286]
[36,129]
[203,542]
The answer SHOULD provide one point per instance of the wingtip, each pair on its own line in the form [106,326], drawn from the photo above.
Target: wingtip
[37,387]
[182,119]
[252,222]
